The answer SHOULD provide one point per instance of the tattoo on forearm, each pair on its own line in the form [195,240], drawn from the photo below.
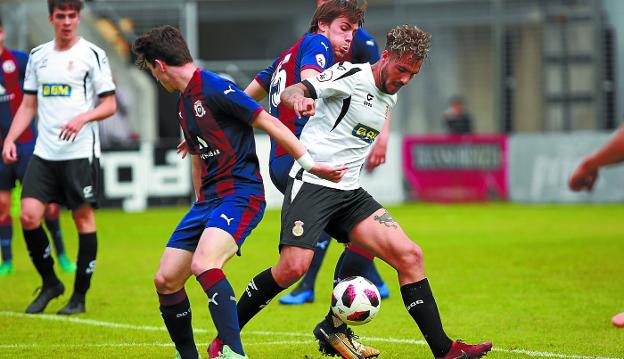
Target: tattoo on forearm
[387,220]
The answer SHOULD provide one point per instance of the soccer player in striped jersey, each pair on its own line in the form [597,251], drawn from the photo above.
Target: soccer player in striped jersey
[12,70]
[363,49]
[350,103]
[217,120]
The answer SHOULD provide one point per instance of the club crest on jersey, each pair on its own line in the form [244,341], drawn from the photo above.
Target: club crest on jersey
[325,76]
[297,230]
[8,66]
[365,133]
[320,60]
[56,90]
[199,108]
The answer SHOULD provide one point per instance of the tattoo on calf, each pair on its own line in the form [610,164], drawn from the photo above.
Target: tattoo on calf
[387,220]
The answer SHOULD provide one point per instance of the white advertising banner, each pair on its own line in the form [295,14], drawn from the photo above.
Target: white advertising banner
[541,164]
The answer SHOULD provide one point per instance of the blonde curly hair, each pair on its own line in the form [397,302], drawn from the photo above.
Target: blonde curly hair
[408,40]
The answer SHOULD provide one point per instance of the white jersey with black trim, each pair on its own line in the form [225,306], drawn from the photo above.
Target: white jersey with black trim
[350,113]
[67,83]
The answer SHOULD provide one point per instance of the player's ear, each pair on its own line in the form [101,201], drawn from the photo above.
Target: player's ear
[323,27]
[160,65]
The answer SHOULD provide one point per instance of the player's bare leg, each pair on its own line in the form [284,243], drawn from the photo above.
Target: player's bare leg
[215,247]
[175,308]
[382,236]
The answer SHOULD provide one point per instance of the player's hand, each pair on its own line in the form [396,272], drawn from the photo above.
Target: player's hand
[377,156]
[9,152]
[183,148]
[584,177]
[70,130]
[328,172]
[304,107]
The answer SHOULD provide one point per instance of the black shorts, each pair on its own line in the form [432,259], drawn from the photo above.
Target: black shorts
[317,208]
[71,182]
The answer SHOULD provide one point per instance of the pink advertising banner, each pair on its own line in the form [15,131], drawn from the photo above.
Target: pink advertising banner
[456,168]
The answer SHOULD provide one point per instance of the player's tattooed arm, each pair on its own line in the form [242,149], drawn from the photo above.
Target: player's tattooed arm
[387,220]
[298,98]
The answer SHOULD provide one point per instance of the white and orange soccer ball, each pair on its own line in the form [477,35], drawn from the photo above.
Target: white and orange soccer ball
[355,300]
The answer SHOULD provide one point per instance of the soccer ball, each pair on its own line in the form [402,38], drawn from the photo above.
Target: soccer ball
[355,300]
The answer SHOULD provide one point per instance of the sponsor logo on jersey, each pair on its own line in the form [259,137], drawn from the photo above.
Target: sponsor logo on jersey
[368,100]
[297,230]
[56,90]
[320,60]
[199,108]
[325,76]
[325,46]
[8,66]
[365,133]
[229,90]
[370,42]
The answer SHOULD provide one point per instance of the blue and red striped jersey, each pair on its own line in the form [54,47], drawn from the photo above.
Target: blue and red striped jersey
[216,118]
[12,71]
[312,51]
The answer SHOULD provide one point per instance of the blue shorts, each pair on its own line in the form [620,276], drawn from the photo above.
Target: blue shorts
[9,174]
[237,214]
[279,168]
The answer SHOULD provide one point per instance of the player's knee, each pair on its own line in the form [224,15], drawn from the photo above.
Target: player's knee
[163,283]
[286,275]
[411,259]
[29,220]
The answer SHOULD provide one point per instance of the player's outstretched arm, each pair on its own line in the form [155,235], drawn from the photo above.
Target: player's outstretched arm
[297,98]
[25,114]
[106,108]
[586,173]
[285,138]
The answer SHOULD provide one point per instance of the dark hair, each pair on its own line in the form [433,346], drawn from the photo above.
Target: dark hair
[64,5]
[408,39]
[334,9]
[164,43]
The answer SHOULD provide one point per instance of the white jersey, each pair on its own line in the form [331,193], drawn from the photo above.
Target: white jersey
[67,83]
[350,113]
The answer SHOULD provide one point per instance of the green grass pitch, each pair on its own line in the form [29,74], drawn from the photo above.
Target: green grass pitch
[538,281]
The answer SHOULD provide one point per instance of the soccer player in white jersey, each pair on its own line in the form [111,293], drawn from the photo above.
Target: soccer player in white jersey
[352,104]
[65,79]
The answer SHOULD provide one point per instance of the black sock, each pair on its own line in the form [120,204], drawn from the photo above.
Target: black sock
[319,254]
[41,255]
[54,227]
[258,293]
[421,305]
[175,310]
[87,250]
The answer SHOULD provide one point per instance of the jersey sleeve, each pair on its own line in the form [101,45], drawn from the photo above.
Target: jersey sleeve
[31,83]
[101,74]
[316,54]
[234,102]
[364,48]
[264,77]
[337,81]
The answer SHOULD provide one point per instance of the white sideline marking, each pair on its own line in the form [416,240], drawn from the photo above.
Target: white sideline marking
[99,323]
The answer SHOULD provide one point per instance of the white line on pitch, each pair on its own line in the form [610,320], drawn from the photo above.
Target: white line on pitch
[251,332]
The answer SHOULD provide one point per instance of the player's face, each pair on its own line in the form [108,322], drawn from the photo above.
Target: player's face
[340,34]
[397,72]
[65,23]
[160,75]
